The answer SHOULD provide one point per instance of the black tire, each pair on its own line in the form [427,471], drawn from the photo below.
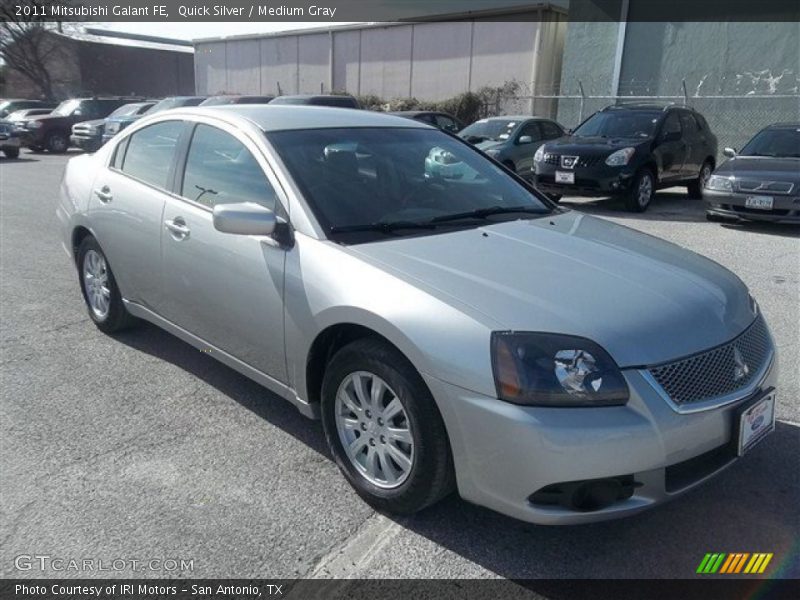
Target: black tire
[36,149]
[11,152]
[57,142]
[431,476]
[117,317]
[695,187]
[635,199]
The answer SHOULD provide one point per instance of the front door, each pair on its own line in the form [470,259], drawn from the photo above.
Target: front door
[226,289]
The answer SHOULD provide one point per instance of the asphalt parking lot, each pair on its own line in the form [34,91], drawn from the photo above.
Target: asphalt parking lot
[140,447]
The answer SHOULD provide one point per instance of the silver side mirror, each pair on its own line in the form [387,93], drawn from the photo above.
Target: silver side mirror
[525,139]
[244,218]
[729,152]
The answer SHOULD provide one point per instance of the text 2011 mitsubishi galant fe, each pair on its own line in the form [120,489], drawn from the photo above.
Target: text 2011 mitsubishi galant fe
[452,327]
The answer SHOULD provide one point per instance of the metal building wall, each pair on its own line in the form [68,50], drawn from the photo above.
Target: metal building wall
[429,61]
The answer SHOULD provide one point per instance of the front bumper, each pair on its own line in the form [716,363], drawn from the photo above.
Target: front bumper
[32,138]
[87,143]
[596,180]
[785,209]
[504,453]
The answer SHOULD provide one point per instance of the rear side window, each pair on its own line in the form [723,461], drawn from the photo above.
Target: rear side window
[688,123]
[220,170]
[150,152]
[671,123]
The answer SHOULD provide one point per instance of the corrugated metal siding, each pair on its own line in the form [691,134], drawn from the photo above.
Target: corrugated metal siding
[430,61]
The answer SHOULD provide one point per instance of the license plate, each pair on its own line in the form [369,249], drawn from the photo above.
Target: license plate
[756,422]
[562,177]
[761,202]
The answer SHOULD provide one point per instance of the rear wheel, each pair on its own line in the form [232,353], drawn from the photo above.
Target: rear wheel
[643,188]
[11,152]
[384,429]
[695,187]
[100,291]
[57,142]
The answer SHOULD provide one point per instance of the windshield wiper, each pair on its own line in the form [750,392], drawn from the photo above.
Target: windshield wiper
[482,213]
[382,226]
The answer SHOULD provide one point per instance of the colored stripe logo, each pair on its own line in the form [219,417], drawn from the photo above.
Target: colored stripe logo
[734,563]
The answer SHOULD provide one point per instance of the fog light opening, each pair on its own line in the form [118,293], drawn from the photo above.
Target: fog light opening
[586,496]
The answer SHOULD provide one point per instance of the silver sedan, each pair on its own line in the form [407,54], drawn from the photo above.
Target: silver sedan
[452,328]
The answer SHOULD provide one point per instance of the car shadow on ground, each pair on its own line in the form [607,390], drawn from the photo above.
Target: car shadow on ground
[751,507]
[21,159]
[667,205]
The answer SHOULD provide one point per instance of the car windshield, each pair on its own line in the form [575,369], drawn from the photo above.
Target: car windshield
[126,110]
[377,182]
[774,142]
[622,124]
[65,108]
[489,129]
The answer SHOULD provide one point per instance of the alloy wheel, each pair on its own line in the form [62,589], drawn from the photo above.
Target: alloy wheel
[645,190]
[374,429]
[95,283]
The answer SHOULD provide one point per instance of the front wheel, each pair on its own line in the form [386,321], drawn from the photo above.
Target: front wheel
[57,142]
[695,187]
[99,288]
[643,188]
[11,152]
[384,429]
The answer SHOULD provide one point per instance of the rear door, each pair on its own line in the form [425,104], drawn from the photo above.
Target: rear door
[695,151]
[225,289]
[670,148]
[127,205]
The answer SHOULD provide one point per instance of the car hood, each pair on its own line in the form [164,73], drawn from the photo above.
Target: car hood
[645,300]
[779,169]
[594,145]
[487,144]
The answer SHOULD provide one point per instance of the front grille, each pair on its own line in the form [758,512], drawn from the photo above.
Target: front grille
[717,372]
[772,187]
[583,161]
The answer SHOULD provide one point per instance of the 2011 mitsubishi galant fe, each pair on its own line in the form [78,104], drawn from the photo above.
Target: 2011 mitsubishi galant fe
[452,327]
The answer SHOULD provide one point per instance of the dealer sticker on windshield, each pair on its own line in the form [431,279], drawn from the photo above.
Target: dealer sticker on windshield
[562,177]
[756,422]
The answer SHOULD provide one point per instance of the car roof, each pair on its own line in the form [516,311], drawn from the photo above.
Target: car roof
[281,117]
[513,118]
[784,126]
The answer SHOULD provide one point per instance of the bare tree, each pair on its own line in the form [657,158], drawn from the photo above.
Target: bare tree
[27,43]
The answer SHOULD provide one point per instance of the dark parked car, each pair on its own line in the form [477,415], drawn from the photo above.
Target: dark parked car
[630,150]
[9,139]
[318,100]
[223,100]
[441,120]
[52,132]
[760,183]
[122,117]
[9,105]
[90,135]
[512,140]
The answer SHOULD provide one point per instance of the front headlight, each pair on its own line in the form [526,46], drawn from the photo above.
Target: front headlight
[719,183]
[620,158]
[549,369]
[33,124]
[539,156]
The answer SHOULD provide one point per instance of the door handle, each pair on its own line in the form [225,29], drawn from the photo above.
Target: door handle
[177,227]
[104,194]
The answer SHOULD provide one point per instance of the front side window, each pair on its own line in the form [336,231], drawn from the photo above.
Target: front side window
[531,130]
[550,130]
[150,152]
[397,181]
[446,123]
[220,170]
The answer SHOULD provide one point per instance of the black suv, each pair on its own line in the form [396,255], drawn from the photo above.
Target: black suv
[629,150]
[52,131]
